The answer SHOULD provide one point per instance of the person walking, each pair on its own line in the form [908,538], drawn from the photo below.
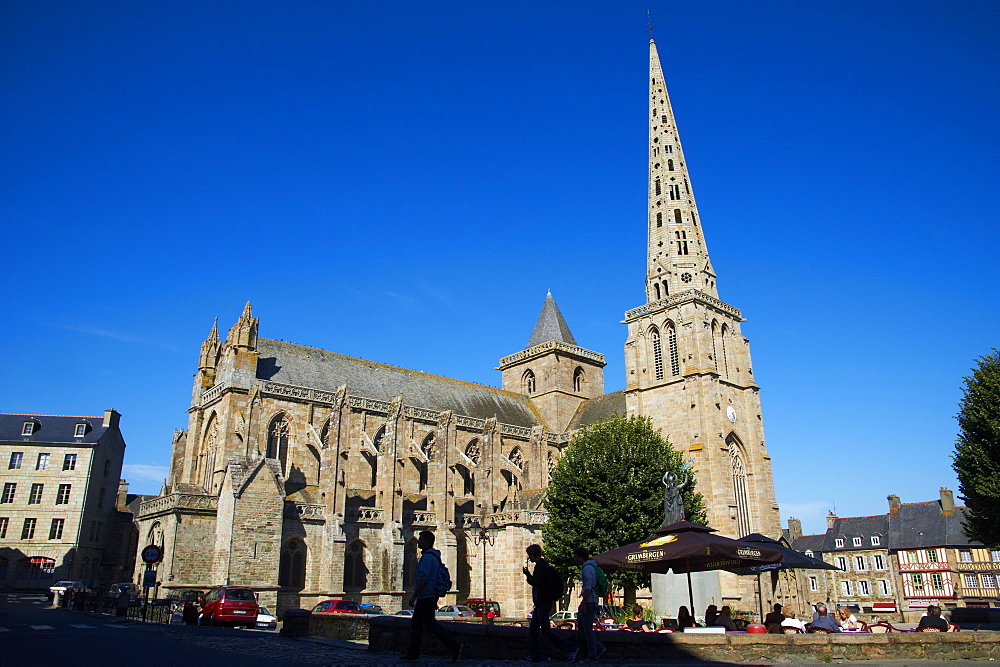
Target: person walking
[587,613]
[546,587]
[425,601]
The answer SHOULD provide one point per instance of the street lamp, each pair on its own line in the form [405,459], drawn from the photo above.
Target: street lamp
[484,536]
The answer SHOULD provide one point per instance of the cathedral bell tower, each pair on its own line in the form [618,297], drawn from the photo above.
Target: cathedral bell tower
[553,370]
[687,363]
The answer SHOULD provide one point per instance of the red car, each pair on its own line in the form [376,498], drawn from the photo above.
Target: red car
[337,607]
[224,605]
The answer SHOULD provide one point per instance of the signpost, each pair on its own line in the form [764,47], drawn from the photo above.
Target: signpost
[151,554]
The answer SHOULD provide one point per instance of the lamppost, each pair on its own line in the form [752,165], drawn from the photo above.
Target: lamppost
[484,536]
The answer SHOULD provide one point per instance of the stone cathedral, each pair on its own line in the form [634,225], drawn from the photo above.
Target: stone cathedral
[305,473]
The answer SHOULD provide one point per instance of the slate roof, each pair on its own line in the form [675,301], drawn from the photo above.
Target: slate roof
[814,543]
[550,325]
[50,428]
[914,526]
[919,525]
[303,366]
[596,409]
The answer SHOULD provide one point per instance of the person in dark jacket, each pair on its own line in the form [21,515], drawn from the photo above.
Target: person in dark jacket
[546,588]
[933,618]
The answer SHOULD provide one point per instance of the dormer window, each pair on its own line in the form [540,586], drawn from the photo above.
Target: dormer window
[28,428]
[856,541]
[875,540]
[81,430]
[839,543]
[809,552]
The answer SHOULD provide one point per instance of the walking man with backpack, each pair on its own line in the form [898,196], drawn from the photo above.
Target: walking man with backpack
[594,588]
[546,587]
[433,582]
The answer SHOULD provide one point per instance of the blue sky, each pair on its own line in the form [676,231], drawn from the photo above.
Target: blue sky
[404,181]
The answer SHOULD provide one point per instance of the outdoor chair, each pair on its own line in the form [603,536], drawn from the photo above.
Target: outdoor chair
[792,631]
[881,628]
[953,627]
[813,629]
[931,628]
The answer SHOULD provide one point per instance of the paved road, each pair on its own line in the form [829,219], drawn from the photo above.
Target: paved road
[33,634]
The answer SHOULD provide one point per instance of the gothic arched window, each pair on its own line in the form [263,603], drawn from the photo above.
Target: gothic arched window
[528,382]
[724,366]
[292,566]
[277,439]
[410,558]
[578,378]
[654,338]
[740,492]
[517,458]
[675,363]
[472,451]
[715,334]
[355,570]
[677,216]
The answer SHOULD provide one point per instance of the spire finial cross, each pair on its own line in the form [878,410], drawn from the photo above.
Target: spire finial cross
[649,20]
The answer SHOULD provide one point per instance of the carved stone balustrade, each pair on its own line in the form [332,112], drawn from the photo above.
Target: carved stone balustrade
[365,515]
[179,502]
[304,512]
[420,518]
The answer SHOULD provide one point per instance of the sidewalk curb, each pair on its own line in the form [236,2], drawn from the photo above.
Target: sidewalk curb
[333,643]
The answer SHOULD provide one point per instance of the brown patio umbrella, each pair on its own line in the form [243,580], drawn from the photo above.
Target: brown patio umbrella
[687,547]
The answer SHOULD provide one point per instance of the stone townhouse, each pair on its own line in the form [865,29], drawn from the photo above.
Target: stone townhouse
[59,480]
[304,472]
[896,564]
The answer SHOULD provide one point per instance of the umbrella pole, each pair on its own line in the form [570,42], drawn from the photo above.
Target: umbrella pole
[687,563]
[760,598]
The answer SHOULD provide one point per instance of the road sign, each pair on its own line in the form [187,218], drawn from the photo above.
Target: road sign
[149,579]
[152,554]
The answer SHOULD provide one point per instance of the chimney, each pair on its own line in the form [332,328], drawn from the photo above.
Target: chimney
[831,520]
[893,504]
[111,418]
[794,529]
[947,502]
[122,495]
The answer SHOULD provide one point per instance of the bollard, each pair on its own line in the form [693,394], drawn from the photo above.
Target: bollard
[296,623]
[57,598]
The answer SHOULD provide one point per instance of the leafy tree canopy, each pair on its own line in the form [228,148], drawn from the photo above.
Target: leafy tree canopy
[977,451]
[607,491]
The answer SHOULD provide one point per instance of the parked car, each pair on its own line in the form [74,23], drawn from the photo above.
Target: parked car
[67,587]
[371,609]
[482,607]
[454,611]
[126,587]
[266,620]
[226,605]
[563,616]
[337,607]
[404,612]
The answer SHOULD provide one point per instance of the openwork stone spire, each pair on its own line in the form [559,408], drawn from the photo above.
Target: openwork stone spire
[677,258]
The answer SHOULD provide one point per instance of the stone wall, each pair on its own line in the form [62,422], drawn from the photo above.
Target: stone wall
[391,634]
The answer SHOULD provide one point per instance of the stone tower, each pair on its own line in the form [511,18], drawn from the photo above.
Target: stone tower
[687,363]
[556,373]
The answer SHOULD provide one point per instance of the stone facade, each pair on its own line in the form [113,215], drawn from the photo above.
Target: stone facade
[894,565]
[305,473]
[59,487]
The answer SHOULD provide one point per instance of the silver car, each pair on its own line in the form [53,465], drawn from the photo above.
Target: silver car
[454,611]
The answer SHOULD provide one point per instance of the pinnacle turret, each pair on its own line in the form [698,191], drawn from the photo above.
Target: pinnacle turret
[244,332]
[677,259]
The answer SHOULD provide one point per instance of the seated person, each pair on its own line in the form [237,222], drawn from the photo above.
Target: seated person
[773,619]
[791,622]
[846,619]
[685,619]
[637,623]
[725,619]
[823,620]
[711,614]
[933,618]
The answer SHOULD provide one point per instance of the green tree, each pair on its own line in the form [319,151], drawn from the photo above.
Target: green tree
[607,491]
[977,451]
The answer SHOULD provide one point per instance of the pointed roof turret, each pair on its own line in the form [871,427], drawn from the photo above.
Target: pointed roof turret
[550,325]
[213,335]
[677,257]
[210,348]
